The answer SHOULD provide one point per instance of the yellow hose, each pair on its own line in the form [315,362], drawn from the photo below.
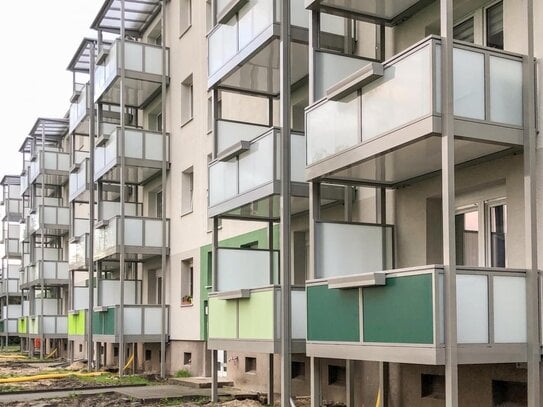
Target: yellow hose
[37,377]
[7,356]
[130,360]
[378,401]
[51,354]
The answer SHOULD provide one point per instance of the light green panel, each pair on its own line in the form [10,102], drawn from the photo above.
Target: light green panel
[256,316]
[21,325]
[222,319]
[33,325]
[76,323]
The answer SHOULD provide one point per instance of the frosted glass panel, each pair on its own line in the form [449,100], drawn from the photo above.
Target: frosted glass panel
[222,45]
[153,233]
[509,309]
[254,18]
[299,314]
[222,181]
[297,158]
[132,321]
[153,60]
[472,308]
[299,16]
[505,91]
[332,68]
[402,95]
[469,84]
[346,249]
[133,143]
[133,232]
[153,146]
[230,133]
[256,165]
[243,269]
[152,320]
[332,127]
[133,56]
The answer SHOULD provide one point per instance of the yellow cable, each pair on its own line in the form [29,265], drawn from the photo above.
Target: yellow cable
[51,354]
[130,360]
[33,378]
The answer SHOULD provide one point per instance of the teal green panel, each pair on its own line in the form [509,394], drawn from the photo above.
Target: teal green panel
[399,312]
[333,314]
[109,322]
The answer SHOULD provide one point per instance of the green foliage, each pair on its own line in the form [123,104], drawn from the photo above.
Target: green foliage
[183,373]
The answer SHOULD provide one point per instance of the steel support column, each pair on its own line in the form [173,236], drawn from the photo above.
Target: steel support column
[214,265]
[314,216]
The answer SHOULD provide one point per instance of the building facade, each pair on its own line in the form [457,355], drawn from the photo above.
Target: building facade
[329,198]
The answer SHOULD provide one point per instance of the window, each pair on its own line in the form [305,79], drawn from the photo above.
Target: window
[250,365]
[159,290]
[298,370]
[185,16]
[187,99]
[494,26]
[337,375]
[465,31]
[209,114]
[187,358]
[187,190]
[115,351]
[497,231]
[209,16]
[432,386]
[148,355]
[158,204]
[467,238]
[80,347]
[187,282]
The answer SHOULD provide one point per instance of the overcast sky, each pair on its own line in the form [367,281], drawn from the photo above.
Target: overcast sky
[37,40]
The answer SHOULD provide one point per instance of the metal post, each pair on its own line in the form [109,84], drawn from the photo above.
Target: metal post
[448,201]
[214,265]
[90,180]
[314,216]
[163,253]
[270,380]
[42,248]
[122,192]
[530,217]
[349,388]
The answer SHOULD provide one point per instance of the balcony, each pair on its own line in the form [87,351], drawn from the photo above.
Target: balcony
[48,272]
[242,269]
[250,321]
[50,167]
[10,239]
[143,69]
[244,45]
[142,323]
[10,287]
[51,220]
[376,124]
[245,179]
[142,238]
[51,326]
[143,155]
[79,184]
[9,327]
[108,295]
[401,318]
[77,323]
[12,210]
[78,252]
[79,109]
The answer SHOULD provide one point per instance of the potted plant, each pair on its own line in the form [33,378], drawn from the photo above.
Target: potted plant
[186,300]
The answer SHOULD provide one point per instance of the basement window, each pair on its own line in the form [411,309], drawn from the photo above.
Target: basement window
[432,386]
[187,358]
[337,375]
[148,355]
[250,365]
[298,370]
[511,394]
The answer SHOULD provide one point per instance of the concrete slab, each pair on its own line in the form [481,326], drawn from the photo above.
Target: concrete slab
[199,382]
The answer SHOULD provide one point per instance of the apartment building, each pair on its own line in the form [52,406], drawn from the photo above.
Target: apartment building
[350,214]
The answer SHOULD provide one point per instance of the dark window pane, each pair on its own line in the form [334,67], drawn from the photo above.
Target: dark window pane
[464,31]
[467,239]
[498,232]
[494,26]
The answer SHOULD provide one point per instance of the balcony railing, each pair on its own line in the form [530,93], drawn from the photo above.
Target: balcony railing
[139,320]
[24,181]
[78,253]
[110,209]
[410,90]
[256,317]
[48,325]
[142,149]
[141,236]
[11,311]
[53,272]
[110,294]
[50,163]
[78,180]
[9,326]
[254,168]
[77,322]
[253,19]
[406,309]
[9,286]
[246,268]
[142,61]
[50,218]
[12,209]
[78,109]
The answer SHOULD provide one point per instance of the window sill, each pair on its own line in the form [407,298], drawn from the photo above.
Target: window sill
[187,305]
[182,33]
[187,121]
[187,212]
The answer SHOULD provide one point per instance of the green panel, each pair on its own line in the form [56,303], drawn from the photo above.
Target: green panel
[222,318]
[103,323]
[260,236]
[2,326]
[256,316]
[399,312]
[21,325]
[76,323]
[333,314]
